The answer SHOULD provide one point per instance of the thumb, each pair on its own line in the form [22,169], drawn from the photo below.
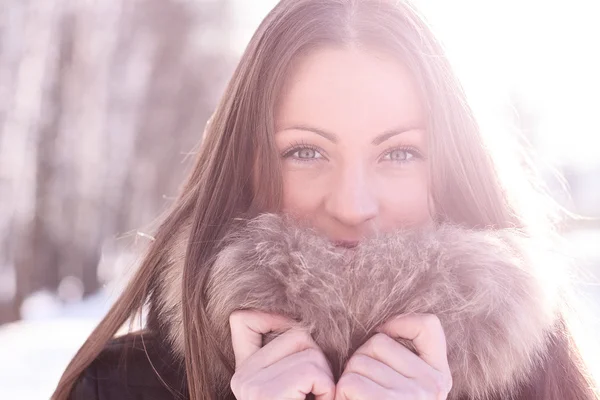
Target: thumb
[247,328]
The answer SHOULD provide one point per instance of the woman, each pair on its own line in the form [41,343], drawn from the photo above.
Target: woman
[345,234]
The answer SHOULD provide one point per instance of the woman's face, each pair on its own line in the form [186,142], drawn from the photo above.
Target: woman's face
[351,130]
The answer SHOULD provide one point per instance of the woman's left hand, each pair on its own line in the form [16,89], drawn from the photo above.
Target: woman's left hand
[384,369]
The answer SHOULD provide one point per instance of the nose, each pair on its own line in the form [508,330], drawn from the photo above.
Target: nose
[352,200]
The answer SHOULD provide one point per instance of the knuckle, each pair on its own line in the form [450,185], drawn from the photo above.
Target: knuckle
[237,316]
[432,321]
[378,343]
[311,353]
[439,383]
[438,388]
[331,388]
[247,388]
[323,363]
[239,378]
[444,385]
[315,355]
[348,380]
[296,334]
[356,362]
[301,337]
[235,383]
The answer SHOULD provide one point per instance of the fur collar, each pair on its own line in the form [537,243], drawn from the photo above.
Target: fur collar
[495,292]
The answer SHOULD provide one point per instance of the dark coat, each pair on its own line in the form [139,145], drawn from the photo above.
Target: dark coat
[125,371]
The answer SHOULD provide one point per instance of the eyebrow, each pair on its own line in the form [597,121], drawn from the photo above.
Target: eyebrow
[333,138]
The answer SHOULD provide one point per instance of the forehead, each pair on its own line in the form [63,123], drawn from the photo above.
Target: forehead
[349,89]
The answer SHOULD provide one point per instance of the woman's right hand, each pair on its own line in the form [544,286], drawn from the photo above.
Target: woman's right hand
[289,367]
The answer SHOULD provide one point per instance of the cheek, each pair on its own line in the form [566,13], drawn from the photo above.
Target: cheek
[405,202]
[302,194]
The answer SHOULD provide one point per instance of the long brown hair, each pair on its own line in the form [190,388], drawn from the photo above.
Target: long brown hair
[237,169]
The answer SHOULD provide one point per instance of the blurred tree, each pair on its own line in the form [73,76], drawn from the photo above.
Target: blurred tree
[100,103]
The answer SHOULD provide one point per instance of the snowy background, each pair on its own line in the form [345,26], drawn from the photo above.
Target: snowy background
[67,66]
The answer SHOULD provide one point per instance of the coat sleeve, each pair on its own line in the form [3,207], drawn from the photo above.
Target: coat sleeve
[123,371]
[86,387]
[107,382]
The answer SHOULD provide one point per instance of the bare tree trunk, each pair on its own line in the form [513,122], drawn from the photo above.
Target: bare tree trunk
[21,132]
[12,21]
[99,104]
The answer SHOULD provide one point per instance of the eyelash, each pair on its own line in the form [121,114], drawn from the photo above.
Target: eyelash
[297,146]
[416,154]
[288,152]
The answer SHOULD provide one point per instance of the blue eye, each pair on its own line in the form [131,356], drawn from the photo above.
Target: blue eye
[401,155]
[303,152]
[306,154]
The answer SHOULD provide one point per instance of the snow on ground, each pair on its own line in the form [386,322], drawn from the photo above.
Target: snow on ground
[34,352]
[34,355]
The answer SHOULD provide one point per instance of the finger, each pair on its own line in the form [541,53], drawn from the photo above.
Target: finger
[286,344]
[388,351]
[293,340]
[426,333]
[247,328]
[308,356]
[373,369]
[403,362]
[316,382]
[292,377]
[307,371]
[352,386]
